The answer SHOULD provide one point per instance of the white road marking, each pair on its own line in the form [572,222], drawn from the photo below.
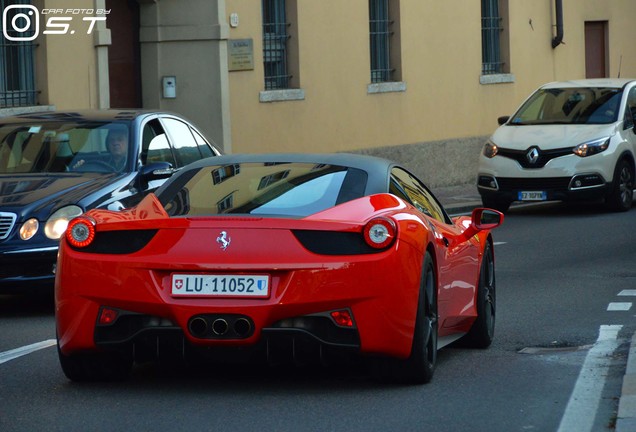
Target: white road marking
[584,400]
[627,293]
[499,243]
[619,306]
[19,352]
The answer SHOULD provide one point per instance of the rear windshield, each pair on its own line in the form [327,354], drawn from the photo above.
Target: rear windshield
[579,105]
[54,147]
[280,189]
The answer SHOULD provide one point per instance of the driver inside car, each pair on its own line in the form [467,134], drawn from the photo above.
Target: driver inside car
[117,146]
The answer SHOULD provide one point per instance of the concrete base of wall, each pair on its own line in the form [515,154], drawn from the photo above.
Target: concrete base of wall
[5,112]
[437,163]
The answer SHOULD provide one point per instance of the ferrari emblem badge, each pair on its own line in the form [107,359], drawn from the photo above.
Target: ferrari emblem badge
[223,240]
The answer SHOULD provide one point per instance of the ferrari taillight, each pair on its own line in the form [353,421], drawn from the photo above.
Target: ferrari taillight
[81,231]
[379,232]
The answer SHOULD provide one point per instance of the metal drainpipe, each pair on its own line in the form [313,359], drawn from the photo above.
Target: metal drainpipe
[558,39]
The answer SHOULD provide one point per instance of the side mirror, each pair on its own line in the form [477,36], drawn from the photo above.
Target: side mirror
[503,119]
[156,171]
[481,219]
[486,219]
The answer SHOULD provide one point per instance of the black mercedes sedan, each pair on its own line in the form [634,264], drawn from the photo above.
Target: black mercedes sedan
[57,165]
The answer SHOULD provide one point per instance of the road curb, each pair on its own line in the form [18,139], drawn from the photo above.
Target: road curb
[626,419]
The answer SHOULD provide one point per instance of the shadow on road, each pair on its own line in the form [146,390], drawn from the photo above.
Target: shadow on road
[560,209]
[33,304]
[241,379]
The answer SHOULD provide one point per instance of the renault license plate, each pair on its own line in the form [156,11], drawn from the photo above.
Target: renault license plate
[193,285]
[532,196]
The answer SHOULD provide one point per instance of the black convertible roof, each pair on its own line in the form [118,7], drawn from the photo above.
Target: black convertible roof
[378,169]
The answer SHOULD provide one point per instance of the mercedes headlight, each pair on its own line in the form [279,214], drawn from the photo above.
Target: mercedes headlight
[29,228]
[57,223]
[591,147]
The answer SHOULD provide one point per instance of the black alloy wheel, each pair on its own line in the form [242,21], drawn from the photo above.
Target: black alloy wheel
[418,368]
[102,366]
[621,194]
[482,332]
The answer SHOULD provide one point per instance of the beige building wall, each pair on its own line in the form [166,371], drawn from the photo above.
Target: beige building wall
[436,125]
[67,70]
[187,40]
[71,69]
[441,119]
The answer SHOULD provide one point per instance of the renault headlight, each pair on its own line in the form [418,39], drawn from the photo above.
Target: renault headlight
[57,223]
[591,147]
[490,150]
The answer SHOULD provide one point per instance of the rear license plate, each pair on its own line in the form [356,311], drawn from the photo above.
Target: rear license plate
[532,196]
[184,285]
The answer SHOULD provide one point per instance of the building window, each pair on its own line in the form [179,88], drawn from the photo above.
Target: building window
[275,39]
[17,57]
[269,180]
[223,173]
[490,37]
[382,37]
[385,50]
[280,51]
[226,204]
[494,37]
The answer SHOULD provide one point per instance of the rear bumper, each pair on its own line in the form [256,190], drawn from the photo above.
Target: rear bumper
[381,300]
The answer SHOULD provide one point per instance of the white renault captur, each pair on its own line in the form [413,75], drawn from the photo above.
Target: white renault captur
[568,141]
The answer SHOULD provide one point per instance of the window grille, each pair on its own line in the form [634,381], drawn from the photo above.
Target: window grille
[275,45]
[17,57]
[491,29]
[380,34]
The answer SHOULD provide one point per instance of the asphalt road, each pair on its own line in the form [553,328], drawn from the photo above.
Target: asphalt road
[560,271]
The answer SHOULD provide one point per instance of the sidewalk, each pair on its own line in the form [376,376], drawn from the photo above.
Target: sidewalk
[462,199]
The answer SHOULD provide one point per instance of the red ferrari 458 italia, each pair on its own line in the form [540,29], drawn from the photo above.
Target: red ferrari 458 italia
[281,257]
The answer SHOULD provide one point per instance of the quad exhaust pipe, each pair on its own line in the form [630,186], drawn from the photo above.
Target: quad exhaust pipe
[198,326]
[210,326]
[243,327]
[219,326]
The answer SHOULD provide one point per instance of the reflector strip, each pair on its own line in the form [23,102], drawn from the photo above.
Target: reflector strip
[342,318]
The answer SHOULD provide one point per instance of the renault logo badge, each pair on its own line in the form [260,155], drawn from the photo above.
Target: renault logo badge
[533,155]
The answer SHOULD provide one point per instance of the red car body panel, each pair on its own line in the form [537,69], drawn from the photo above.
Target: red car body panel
[380,289]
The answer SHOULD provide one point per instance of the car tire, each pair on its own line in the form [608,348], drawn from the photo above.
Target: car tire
[103,366]
[418,368]
[621,194]
[496,204]
[482,332]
